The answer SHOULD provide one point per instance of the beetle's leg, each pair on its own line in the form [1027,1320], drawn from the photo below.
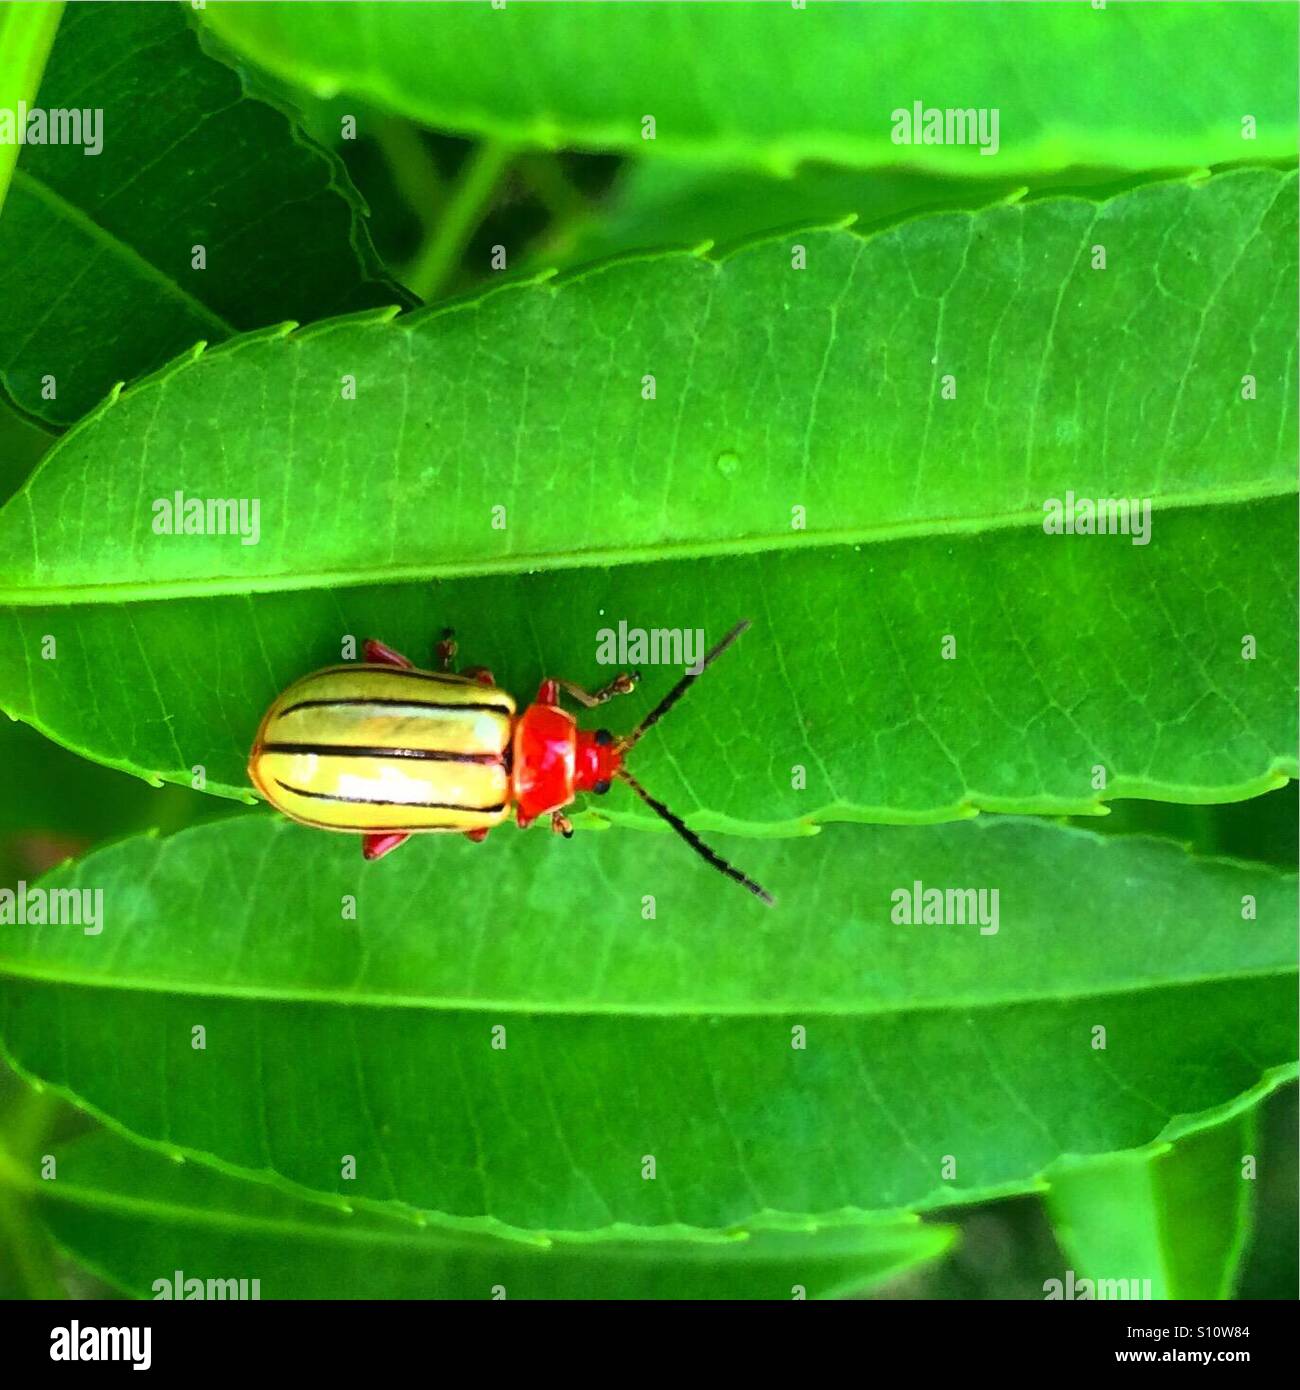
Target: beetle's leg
[444,650]
[376,846]
[561,824]
[479,835]
[444,654]
[589,699]
[379,654]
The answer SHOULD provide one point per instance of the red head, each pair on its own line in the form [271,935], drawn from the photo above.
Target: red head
[554,760]
[599,758]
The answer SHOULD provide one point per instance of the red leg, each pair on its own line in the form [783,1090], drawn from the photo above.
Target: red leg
[479,835]
[521,820]
[548,693]
[376,846]
[444,650]
[381,655]
[589,699]
[444,654]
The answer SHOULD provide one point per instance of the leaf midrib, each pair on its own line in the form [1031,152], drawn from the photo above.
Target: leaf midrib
[122,250]
[596,558]
[440,1004]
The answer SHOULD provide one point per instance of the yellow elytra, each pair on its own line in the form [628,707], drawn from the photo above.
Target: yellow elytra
[378,748]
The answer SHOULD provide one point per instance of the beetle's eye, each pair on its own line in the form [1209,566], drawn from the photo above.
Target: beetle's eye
[601,787]
[603,737]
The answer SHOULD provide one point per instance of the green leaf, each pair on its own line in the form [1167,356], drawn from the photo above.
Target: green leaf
[1178,1218]
[135,1217]
[1270,1268]
[1260,829]
[1072,654]
[27,1255]
[511,433]
[655,204]
[97,281]
[26,35]
[1133,86]
[22,444]
[628,1037]
[60,794]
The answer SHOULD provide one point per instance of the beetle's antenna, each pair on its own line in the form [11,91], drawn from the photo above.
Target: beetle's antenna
[680,689]
[680,825]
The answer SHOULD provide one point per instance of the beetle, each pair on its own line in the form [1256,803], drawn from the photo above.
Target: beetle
[385,750]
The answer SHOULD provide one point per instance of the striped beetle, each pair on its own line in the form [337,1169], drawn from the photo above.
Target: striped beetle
[385,750]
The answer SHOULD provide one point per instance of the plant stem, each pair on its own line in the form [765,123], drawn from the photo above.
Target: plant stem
[27,1122]
[414,172]
[470,199]
[543,172]
[571,211]
[26,36]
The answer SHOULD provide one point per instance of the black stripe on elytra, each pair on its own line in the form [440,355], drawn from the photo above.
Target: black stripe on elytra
[381,801]
[384,667]
[386,702]
[377,829]
[352,750]
[372,668]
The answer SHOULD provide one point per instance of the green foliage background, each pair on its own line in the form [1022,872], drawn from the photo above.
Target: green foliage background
[345,166]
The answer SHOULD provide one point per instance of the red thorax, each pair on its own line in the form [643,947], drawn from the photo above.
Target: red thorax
[554,759]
